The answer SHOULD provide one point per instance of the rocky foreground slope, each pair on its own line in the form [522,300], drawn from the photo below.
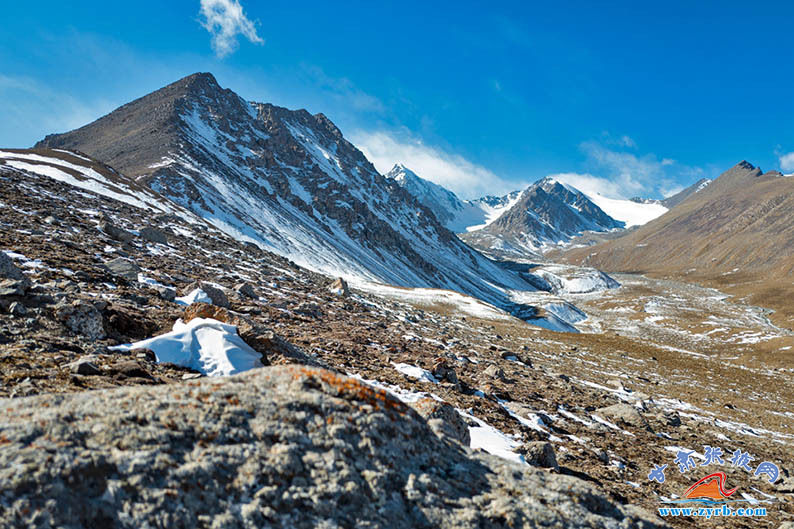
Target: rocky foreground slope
[84,273]
[280,447]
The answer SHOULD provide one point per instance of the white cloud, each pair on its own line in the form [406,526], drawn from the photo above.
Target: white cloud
[224,19]
[464,178]
[589,184]
[629,174]
[786,161]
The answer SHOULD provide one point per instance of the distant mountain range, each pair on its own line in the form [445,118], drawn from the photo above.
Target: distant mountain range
[547,214]
[528,222]
[456,214]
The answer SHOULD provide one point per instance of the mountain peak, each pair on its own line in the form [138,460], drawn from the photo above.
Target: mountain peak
[197,83]
[401,173]
[744,164]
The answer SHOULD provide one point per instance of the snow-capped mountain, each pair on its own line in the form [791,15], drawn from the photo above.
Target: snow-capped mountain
[456,214]
[547,214]
[287,181]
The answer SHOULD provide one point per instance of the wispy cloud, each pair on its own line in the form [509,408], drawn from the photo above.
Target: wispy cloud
[589,184]
[453,171]
[342,89]
[225,20]
[32,109]
[626,174]
[786,161]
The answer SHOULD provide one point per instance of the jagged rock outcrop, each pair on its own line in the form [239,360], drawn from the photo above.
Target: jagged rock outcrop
[278,447]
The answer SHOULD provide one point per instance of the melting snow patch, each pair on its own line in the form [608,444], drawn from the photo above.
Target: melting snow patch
[491,440]
[151,282]
[196,296]
[423,375]
[206,345]
[404,395]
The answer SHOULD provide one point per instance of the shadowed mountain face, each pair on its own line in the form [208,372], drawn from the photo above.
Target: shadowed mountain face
[547,214]
[286,180]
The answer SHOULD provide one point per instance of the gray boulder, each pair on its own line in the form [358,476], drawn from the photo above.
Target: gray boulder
[624,413]
[114,232]
[124,268]
[287,446]
[82,318]
[154,235]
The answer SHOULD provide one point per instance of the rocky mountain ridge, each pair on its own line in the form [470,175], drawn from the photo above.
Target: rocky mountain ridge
[548,214]
[287,181]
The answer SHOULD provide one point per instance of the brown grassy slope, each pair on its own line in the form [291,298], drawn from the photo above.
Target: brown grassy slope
[737,235]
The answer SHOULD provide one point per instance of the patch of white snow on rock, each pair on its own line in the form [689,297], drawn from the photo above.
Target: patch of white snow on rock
[203,344]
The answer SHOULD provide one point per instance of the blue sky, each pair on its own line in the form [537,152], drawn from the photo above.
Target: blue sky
[627,99]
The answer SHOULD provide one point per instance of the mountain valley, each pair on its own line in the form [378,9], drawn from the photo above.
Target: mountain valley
[514,361]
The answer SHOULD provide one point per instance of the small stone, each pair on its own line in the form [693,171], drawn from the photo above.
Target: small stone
[154,235]
[340,288]
[84,367]
[191,376]
[17,309]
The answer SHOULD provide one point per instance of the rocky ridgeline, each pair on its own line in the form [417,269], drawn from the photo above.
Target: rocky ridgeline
[279,447]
